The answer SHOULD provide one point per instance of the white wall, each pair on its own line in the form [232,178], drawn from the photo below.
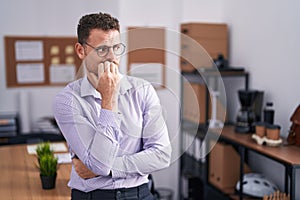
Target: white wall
[264,38]
[202,11]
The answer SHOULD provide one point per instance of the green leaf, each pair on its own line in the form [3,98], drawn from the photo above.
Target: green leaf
[48,165]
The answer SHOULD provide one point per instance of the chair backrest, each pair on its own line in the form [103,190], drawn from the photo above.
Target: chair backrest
[152,187]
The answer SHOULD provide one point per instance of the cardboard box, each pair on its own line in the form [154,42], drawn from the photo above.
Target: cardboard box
[200,39]
[195,106]
[194,102]
[224,167]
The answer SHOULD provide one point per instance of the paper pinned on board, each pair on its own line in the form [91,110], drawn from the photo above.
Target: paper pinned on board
[29,50]
[54,50]
[30,73]
[69,50]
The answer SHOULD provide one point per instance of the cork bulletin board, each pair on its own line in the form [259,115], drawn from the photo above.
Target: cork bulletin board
[40,61]
[146,54]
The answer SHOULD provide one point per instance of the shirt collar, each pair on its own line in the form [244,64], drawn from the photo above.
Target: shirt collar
[87,88]
[125,84]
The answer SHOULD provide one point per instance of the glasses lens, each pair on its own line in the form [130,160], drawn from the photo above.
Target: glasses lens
[102,51]
[119,49]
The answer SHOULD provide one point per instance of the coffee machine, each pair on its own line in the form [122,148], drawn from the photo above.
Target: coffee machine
[250,111]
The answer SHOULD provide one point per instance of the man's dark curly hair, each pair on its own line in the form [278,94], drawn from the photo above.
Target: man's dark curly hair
[99,20]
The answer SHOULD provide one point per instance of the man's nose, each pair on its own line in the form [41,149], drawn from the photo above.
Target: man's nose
[111,55]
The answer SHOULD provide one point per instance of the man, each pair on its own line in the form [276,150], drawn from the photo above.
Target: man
[113,123]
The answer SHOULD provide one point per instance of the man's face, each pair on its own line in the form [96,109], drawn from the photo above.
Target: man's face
[96,39]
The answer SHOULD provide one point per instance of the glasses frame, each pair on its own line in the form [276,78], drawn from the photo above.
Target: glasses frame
[108,47]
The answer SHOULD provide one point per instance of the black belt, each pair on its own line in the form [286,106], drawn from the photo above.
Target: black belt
[121,193]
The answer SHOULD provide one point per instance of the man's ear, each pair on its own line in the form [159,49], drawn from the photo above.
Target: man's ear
[80,50]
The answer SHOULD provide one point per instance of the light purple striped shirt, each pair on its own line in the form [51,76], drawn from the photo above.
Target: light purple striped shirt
[131,143]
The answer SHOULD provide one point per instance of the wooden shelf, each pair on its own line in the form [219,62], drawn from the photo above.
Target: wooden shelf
[288,154]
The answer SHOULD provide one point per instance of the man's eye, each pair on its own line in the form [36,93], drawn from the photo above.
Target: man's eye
[116,47]
[102,49]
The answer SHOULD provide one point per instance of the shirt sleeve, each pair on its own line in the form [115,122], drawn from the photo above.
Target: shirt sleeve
[156,151]
[91,138]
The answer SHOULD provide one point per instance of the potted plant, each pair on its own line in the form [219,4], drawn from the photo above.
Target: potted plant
[43,148]
[48,168]
[47,165]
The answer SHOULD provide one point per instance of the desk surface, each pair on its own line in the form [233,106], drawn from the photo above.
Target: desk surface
[20,176]
[289,154]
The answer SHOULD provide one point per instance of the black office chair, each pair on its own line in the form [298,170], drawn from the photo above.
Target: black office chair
[152,187]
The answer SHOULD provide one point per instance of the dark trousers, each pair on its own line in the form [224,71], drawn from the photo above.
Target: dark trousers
[141,192]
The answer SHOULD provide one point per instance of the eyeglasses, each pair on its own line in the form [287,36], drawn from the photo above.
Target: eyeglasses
[103,51]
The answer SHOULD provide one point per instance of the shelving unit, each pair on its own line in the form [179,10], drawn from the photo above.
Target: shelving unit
[194,163]
[201,79]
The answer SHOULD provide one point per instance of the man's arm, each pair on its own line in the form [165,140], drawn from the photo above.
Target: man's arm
[82,170]
[92,141]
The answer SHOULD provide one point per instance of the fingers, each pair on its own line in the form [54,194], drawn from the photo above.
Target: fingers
[100,69]
[116,70]
[108,66]
[111,67]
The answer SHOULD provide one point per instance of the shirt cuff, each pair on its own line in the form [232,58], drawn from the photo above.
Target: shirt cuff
[109,118]
[118,168]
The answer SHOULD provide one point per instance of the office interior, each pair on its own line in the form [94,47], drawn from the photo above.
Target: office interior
[263,38]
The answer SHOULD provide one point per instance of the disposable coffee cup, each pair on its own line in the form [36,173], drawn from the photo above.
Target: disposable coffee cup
[260,129]
[273,132]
